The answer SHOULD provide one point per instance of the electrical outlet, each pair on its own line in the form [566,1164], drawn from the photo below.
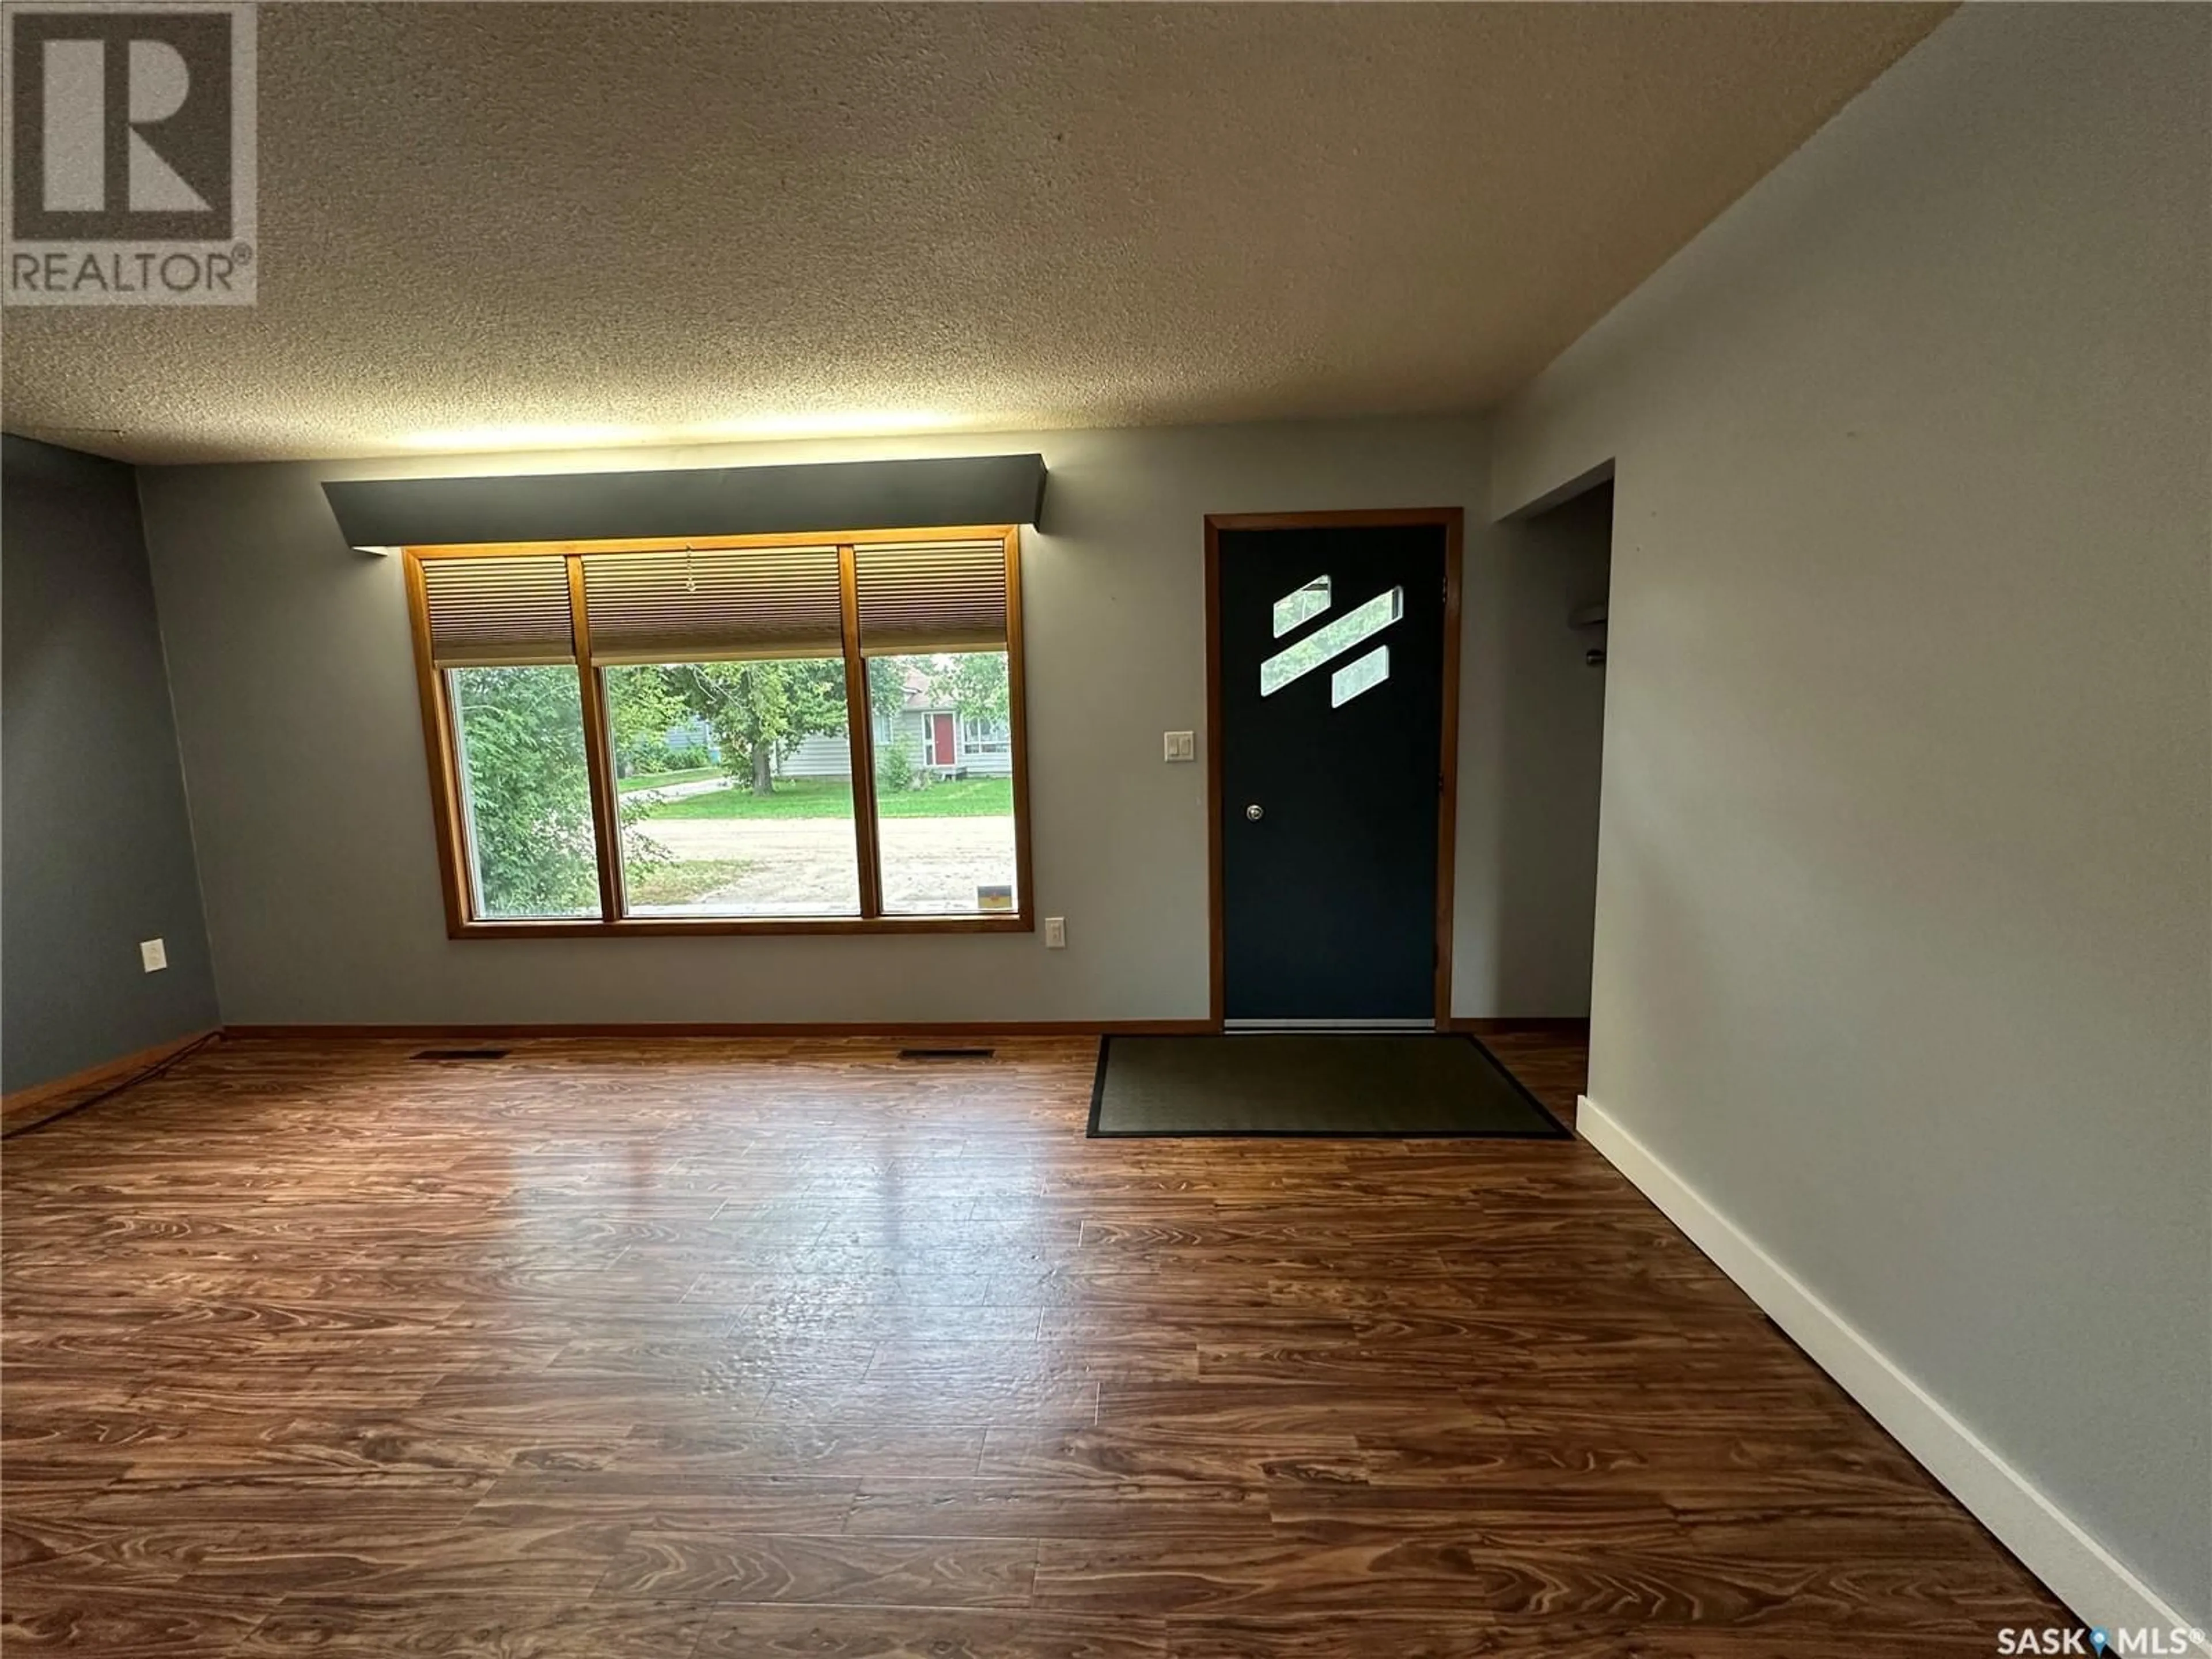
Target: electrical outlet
[154,954]
[1055,932]
[1180,745]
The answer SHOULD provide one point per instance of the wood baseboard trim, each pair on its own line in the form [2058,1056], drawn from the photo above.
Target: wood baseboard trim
[1486,1027]
[886,1028]
[2057,1549]
[41,1101]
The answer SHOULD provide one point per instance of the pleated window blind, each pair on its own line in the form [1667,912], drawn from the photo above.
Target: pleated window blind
[921,597]
[489,611]
[714,603]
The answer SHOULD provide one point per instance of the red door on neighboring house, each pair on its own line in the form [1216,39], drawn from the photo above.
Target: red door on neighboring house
[940,739]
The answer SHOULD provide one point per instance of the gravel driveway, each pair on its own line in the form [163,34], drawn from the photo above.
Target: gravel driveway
[806,867]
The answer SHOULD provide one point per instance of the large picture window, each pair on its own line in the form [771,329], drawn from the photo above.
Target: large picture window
[736,734]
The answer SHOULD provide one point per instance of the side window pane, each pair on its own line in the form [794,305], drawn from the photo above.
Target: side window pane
[1360,674]
[944,790]
[736,785]
[1301,605]
[525,794]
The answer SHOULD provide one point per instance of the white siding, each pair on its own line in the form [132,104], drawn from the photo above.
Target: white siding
[828,757]
[985,763]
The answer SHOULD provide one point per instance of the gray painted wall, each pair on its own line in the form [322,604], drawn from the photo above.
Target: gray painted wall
[1902,957]
[296,695]
[96,850]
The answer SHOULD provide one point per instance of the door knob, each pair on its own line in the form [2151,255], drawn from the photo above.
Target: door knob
[1254,812]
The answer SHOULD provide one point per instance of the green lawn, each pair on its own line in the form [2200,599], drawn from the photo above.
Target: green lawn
[829,797]
[655,779]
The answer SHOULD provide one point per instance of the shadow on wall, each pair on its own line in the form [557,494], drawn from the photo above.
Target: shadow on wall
[1556,570]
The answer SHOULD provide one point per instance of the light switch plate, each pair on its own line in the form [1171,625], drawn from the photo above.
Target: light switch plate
[154,953]
[1055,932]
[1180,745]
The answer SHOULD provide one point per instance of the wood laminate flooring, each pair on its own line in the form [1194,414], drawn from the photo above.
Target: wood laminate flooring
[720,1350]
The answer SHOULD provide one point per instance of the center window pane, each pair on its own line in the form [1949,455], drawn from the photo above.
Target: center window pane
[944,787]
[735,781]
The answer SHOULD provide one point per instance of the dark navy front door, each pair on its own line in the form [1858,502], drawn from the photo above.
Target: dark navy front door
[1332,662]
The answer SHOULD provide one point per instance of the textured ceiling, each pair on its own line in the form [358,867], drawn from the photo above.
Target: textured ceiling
[508,225]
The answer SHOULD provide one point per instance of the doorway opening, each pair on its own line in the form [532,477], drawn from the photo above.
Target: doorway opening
[1551,588]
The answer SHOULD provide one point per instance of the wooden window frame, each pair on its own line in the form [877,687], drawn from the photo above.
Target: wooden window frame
[442,751]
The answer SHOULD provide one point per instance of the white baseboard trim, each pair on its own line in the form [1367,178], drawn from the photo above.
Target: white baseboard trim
[2082,1572]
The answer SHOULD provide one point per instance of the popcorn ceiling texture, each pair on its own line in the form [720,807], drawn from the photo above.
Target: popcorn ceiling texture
[706,223]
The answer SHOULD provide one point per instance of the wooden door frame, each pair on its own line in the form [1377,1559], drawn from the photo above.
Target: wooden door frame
[1453,522]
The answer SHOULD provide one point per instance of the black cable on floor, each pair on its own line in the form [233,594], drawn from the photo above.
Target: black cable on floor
[115,1088]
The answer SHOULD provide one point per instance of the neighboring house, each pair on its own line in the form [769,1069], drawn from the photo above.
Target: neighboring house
[694,734]
[934,734]
[941,742]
